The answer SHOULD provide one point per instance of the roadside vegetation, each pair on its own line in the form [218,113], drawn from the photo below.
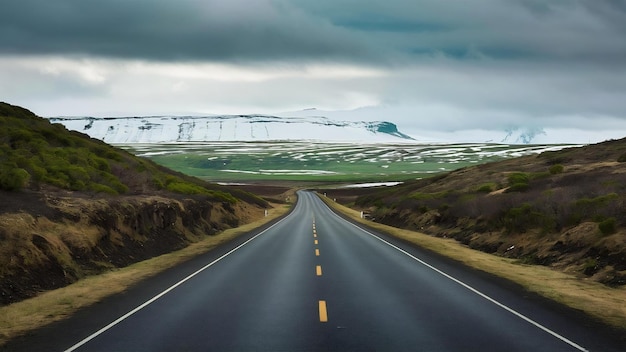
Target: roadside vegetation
[72,206]
[35,153]
[601,302]
[562,209]
[19,318]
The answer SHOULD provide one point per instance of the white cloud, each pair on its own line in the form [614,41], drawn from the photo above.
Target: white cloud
[428,65]
[142,87]
[251,73]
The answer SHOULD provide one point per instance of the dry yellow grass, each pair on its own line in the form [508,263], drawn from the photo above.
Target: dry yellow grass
[17,318]
[602,302]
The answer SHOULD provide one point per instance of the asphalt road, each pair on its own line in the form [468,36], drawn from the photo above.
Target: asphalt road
[315,282]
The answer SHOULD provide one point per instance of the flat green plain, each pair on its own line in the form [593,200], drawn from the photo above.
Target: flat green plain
[325,161]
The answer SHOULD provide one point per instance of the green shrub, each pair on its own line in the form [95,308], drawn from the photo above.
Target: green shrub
[540,175]
[467,197]
[590,267]
[518,177]
[486,188]
[99,163]
[141,166]
[186,188]
[77,173]
[518,187]
[117,185]
[23,162]
[518,182]
[33,149]
[608,226]
[158,183]
[19,138]
[13,179]
[526,217]
[420,196]
[223,196]
[57,179]
[591,208]
[106,152]
[169,179]
[64,140]
[99,188]
[556,169]
[38,173]
[589,205]
[555,157]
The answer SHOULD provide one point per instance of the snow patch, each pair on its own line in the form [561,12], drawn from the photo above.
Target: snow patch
[372,184]
[185,129]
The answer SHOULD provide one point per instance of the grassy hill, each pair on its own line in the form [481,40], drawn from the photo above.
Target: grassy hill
[72,206]
[563,209]
[35,153]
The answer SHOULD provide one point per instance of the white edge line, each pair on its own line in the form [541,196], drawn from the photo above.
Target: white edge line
[153,299]
[501,305]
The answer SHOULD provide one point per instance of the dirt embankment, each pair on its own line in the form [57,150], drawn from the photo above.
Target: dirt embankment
[56,240]
[562,209]
[580,250]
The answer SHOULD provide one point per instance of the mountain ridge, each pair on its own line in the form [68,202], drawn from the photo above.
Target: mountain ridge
[172,129]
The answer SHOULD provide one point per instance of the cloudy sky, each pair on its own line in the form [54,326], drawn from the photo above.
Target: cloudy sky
[439,69]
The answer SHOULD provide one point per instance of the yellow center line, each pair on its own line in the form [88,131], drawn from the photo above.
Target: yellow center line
[318,270]
[315,235]
[315,241]
[317,252]
[323,312]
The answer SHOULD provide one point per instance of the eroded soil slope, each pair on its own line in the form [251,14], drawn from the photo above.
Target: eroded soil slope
[50,240]
[564,209]
[72,206]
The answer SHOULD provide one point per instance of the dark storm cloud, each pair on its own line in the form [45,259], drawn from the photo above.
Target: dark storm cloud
[306,30]
[539,30]
[172,30]
[437,65]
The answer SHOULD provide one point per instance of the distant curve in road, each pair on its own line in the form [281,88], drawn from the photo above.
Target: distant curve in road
[316,282]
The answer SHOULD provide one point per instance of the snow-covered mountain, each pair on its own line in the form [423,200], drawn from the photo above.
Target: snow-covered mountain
[170,129]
